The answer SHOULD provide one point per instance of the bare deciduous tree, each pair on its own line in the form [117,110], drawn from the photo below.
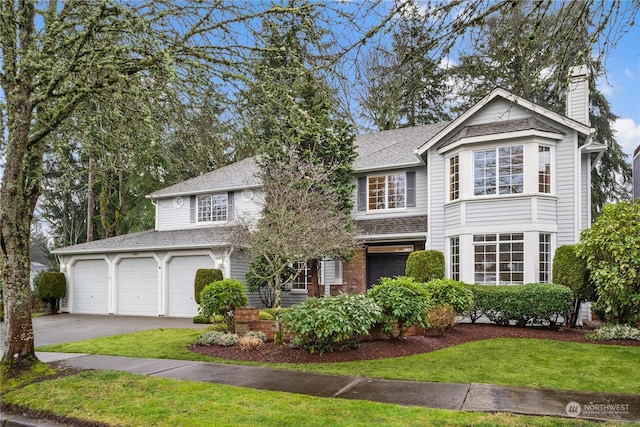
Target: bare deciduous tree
[301,220]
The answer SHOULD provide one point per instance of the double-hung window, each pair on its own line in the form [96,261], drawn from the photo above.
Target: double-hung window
[387,192]
[498,171]
[212,207]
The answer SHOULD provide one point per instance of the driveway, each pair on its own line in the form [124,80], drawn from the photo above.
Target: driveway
[73,327]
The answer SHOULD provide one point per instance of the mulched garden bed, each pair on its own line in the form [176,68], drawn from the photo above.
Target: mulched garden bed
[382,349]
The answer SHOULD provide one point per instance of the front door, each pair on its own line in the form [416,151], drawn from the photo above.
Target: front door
[385,265]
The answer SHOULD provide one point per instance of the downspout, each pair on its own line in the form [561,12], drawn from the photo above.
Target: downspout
[585,148]
[155,205]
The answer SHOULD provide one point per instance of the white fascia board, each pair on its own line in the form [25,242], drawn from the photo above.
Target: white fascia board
[391,237]
[388,167]
[580,127]
[500,137]
[207,191]
[138,249]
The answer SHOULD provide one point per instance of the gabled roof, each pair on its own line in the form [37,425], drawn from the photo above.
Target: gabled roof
[392,149]
[499,92]
[238,175]
[529,123]
[149,240]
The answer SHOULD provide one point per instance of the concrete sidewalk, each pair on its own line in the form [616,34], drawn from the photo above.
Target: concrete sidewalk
[464,397]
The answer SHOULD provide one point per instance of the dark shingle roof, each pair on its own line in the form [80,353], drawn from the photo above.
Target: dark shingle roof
[500,127]
[392,148]
[402,225]
[154,240]
[235,176]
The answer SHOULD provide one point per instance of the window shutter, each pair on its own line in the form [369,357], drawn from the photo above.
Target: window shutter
[411,189]
[362,193]
[230,205]
[193,206]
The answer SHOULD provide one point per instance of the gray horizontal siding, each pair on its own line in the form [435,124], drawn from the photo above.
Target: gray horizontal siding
[173,218]
[547,211]
[497,110]
[565,190]
[499,212]
[452,216]
[437,175]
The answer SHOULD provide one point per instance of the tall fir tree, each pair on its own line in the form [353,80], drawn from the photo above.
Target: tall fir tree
[523,56]
[291,107]
[404,85]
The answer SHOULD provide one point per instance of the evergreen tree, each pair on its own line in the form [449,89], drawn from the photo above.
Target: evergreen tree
[405,86]
[292,109]
[524,56]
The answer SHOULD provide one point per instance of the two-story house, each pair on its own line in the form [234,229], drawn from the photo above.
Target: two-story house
[496,190]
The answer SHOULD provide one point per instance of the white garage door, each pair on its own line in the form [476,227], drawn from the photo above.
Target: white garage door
[90,287]
[182,271]
[138,287]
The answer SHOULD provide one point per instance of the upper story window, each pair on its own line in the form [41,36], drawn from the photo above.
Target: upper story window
[498,171]
[212,207]
[544,169]
[387,192]
[454,178]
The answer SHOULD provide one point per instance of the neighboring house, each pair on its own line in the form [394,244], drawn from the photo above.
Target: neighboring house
[497,190]
[636,173]
[36,267]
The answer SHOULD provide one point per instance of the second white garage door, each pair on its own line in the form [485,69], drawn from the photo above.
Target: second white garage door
[138,287]
[182,272]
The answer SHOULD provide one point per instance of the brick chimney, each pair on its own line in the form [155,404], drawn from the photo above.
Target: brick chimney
[578,95]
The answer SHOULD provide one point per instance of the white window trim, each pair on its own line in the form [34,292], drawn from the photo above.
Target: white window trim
[212,221]
[449,177]
[496,150]
[386,192]
[497,243]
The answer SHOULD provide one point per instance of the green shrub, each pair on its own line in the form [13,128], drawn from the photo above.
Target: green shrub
[318,324]
[51,287]
[611,249]
[272,311]
[425,265]
[532,304]
[571,271]
[402,300]
[220,327]
[199,319]
[442,318]
[217,338]
[221,298]
[265,315]
[450,292]
[204,276]
[614,332]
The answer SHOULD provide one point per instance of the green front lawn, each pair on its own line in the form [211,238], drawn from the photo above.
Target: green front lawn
[504,361]
[123,399]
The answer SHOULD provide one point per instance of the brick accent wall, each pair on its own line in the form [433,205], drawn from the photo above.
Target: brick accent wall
[354,274]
